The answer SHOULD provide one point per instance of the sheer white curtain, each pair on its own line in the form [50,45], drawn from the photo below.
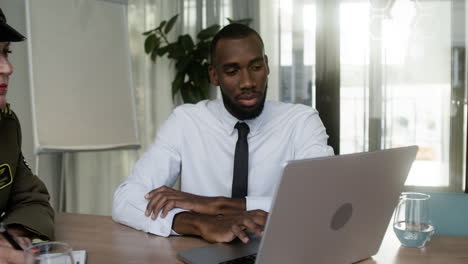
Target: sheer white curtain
[91,178]
[269,29]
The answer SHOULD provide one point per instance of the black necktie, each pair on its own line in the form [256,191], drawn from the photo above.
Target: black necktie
[241,162]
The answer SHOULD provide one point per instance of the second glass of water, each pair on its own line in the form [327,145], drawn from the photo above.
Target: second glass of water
[412,224]
[49,253]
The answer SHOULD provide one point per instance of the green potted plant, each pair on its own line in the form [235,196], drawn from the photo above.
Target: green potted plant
[191,58]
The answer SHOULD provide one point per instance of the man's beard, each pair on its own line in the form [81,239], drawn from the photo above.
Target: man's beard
[241,113]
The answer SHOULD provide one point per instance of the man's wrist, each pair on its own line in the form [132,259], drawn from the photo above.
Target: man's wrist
[187,223]
[225,205]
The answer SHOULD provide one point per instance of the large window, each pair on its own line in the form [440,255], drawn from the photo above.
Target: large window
[401,72]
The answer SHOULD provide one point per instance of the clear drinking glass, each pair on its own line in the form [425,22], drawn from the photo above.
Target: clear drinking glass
[411,222]
[49,253]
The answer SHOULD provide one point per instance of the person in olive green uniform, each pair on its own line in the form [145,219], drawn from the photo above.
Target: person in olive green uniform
[24,200]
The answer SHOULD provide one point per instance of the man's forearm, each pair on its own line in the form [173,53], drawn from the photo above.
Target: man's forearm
[187,223]
[225,205]
[190,223]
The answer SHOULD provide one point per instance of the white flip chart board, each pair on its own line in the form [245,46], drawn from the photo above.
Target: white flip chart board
[81,85]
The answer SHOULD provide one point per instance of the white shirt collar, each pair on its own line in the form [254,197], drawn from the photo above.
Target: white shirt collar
[228,121]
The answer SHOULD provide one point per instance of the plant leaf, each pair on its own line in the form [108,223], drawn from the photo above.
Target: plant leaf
[208,32]
[154,54]
[177,83]
[190,94]
[170,24]
[177,50]
[195,75]
[162,50]
[187,42]
[147,32]
[199,80]
[183,63]
[150,43]
[184,91]
[198,93]
[205,88]
[161,25]
[202,51]
[157,43]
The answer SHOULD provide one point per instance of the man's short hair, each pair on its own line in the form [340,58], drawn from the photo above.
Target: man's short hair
[232,31]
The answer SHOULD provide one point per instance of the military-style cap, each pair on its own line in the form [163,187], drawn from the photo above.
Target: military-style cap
[7,33]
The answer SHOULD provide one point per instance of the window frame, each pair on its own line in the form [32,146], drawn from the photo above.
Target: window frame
[328,87]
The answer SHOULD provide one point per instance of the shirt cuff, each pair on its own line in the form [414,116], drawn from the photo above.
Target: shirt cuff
[163,226]
[258,202]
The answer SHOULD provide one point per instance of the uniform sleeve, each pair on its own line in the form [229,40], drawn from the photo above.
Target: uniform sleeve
[159,166]
[28,204]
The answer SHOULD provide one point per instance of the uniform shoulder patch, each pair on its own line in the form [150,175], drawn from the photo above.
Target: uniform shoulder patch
[6,178]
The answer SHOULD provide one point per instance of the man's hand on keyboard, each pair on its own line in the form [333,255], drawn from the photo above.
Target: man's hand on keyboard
[225,228]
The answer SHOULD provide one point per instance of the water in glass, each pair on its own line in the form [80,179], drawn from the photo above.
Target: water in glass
[412,223]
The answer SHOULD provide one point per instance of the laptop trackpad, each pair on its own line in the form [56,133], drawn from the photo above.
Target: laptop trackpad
[219,252]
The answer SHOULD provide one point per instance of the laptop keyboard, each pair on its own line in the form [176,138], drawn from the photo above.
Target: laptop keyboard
[249,259]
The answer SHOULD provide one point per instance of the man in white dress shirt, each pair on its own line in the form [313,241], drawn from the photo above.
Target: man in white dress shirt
[198,141]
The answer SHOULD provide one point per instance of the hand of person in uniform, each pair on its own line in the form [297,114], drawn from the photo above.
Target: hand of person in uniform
[20,234]
[221,228]
[24,242]
[9,255]
[164,199]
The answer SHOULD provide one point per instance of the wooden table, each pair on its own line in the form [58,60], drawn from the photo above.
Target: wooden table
[108,242]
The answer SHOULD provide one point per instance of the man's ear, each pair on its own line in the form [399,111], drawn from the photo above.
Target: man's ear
[213,76]
[266,63]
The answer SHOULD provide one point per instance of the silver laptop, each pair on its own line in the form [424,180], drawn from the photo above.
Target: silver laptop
[326,210]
